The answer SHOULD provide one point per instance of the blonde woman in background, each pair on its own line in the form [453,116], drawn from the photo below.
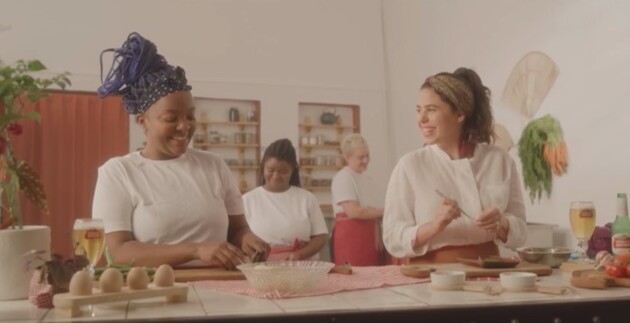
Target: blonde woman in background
[356,235]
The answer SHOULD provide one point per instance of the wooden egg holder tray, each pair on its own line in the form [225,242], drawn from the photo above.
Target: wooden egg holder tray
[70,305]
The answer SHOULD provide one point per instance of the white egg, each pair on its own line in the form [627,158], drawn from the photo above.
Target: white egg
[111,280]
[137,278]
[164,276]
[81,284]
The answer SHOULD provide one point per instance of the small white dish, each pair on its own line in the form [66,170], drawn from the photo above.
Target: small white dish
[518,281]
[448,279]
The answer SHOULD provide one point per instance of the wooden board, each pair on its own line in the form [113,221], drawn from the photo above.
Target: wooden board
[596,279]
[473,271]
[568,266]
[70,305]
[491,262]
[196,274]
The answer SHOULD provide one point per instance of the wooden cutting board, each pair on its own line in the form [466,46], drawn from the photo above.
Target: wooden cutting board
[195,274]
[596,279]
[473,271]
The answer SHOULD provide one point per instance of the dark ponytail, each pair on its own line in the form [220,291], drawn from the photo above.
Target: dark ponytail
[478,126]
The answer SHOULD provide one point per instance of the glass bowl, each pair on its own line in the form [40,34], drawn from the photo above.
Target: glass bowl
[285,276]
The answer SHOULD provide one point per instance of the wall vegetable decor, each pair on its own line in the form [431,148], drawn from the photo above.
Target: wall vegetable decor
[541,148]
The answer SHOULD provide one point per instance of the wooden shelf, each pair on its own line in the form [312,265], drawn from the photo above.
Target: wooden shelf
[214,131]
[321,167]
[243,167]
[327,126]
[320,146]
[202,145]
[229,123]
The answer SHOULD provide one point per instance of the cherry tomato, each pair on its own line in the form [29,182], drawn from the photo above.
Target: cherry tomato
[15,128]
[623,259]
[616,270]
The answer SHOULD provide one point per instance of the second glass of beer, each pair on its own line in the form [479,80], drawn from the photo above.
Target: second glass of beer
[582,217]
[88,237]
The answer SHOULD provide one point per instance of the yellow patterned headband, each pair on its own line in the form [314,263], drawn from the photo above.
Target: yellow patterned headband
[454,90]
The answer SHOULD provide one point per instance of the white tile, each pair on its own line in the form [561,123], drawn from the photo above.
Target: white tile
[157,307]
[313,303]
[377,298]
[222,304]
[20,310]
[105,311]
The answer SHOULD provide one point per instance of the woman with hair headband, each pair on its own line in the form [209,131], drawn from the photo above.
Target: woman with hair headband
[458,172]
[166,204]
[282,213]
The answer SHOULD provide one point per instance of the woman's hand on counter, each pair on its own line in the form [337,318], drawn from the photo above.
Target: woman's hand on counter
[253,244]
[221,254]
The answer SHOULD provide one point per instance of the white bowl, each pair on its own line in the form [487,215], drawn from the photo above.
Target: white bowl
[518,281]
[448,279]
[286,276]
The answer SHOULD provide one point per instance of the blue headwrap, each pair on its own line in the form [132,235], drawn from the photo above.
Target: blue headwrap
[140,75]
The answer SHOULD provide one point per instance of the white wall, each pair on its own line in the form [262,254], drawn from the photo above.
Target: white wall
[279,52]
[587,39]
[282,52]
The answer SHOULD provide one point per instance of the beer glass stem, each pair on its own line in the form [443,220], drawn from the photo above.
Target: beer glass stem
[582,245]
[91,271]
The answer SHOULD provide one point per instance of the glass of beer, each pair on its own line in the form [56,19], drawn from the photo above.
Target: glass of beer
[88,237]
[582,216]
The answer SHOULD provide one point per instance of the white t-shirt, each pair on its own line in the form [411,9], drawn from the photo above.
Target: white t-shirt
[487,179]
[186,199]
[280,218]
[348,185]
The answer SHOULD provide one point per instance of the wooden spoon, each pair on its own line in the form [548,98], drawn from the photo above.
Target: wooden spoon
[416,271]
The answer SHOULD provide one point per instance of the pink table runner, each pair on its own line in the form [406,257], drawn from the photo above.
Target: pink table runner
[361,278]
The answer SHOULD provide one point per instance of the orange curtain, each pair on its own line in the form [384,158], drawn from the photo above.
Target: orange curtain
[78,132]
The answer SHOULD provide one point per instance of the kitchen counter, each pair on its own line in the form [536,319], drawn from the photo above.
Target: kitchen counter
[416,302]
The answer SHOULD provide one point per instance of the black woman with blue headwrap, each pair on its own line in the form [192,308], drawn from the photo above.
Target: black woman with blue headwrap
[166,203]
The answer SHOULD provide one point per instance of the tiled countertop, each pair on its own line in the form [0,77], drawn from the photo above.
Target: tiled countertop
[206,304]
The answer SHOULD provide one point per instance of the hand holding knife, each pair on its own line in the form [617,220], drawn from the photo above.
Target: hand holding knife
[458,208]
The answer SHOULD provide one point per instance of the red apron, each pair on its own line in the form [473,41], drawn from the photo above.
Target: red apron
[356,241]
[282,252]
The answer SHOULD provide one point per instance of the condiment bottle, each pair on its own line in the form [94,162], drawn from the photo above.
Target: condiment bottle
[621,227]
[234,114]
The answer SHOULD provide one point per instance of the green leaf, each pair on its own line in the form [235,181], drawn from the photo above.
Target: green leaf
[5,87]
[32,115]
[35,66]
[12,116]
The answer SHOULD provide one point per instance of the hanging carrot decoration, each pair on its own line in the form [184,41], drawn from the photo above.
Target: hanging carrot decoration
[543,152]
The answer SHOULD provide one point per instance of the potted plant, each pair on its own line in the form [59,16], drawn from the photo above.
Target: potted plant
[17,89]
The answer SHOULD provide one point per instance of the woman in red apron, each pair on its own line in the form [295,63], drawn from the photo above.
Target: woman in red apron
[356,234]
[282,213]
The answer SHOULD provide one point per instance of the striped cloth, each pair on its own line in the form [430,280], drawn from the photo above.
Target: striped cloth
[361,278]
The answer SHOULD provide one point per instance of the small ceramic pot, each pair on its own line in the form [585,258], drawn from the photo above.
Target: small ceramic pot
[518,281]
[448,279]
